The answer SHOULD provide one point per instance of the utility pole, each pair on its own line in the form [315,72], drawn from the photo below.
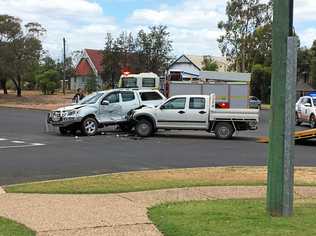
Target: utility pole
[64,55]
[282,126]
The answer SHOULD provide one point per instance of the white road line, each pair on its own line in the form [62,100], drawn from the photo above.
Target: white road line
[18,142]
[3,139]
[23,146]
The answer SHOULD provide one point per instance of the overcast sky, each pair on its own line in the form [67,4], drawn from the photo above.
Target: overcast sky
[192,23]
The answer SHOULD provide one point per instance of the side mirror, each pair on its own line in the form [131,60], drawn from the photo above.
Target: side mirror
[105,103]
[307,104]
[162,107]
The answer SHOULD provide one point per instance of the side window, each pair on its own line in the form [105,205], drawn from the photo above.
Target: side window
[150,96]
[112,98]
[127,96]
[148,82]
[197,103]
[175,104]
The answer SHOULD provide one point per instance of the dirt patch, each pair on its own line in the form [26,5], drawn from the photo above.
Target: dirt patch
[35,100]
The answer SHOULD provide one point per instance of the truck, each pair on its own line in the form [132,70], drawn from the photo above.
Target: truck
[101,109]
[193,112]
[231,88]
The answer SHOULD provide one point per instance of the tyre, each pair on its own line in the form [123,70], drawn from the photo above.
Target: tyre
[63,130]
[298,122]
[144,128]
[89,126]
[224,130]
[312,121]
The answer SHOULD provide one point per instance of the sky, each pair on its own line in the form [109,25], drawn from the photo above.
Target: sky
[192,23]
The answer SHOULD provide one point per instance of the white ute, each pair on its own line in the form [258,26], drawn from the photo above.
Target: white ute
[193,112]
[101,109]
[306,111]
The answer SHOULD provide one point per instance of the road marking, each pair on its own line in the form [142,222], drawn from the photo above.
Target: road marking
[3,139]
[23,146]
[18,142]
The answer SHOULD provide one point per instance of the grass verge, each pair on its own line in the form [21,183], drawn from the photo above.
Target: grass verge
[8,228]
[163,179]
[231,217]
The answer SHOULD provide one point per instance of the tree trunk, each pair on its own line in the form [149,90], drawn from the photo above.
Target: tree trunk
[3,85]
[17,85]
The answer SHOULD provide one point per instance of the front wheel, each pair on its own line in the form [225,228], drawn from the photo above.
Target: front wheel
[312,122]
[89,126]
[298,121]
[224,130]
[144,128]
[63,130]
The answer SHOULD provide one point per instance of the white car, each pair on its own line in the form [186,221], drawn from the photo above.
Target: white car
[193,112]
[101,109]
[306,111]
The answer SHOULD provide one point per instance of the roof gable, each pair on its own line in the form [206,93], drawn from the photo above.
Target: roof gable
[96,58]
[83,68]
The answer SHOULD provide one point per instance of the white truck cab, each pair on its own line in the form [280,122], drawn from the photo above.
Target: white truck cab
[193,112]
[101,109]
[306,111]
[140,81]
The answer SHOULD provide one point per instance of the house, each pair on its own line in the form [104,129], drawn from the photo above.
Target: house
[303,88]
[88,67]
[190,66]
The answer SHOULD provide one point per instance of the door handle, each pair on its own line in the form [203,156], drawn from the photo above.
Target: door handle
[202,112]
[181,112]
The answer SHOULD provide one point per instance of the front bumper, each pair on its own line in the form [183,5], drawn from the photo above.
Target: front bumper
[60,121]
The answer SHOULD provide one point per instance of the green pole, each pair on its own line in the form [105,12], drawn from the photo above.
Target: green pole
[280,162]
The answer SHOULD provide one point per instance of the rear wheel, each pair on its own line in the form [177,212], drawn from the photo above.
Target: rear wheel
[312,121]
[89,126]
[144,128]
[224,130]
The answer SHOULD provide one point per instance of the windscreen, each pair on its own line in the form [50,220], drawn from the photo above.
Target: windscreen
[91,99]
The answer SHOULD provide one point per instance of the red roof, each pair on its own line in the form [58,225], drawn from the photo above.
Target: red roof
[96,57]
[83,68]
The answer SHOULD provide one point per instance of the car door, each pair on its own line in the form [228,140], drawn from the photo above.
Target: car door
[300,108]
[172,114]
[306,108]
[129,101]
[111,109]
[197,113]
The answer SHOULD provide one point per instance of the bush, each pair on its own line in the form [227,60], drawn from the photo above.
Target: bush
[48,82]
[92,85]
[261,82]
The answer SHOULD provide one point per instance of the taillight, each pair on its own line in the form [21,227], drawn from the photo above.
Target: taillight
[223,105]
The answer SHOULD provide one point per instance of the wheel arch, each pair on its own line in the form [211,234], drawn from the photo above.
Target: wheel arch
[148,118]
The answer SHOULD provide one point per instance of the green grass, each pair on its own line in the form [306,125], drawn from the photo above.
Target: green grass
[231,217]
[164,179]
[10,228]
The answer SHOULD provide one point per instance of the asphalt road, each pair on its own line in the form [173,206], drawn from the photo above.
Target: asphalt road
[30,151]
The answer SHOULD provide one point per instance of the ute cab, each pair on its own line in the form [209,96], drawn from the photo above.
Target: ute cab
[139,81]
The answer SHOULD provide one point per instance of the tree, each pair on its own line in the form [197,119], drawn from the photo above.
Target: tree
[92,84]
[313,64]
[209,64]
[49,81]
[20,49]
[148,52]
[244,17]
[260,85]
[154,49]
